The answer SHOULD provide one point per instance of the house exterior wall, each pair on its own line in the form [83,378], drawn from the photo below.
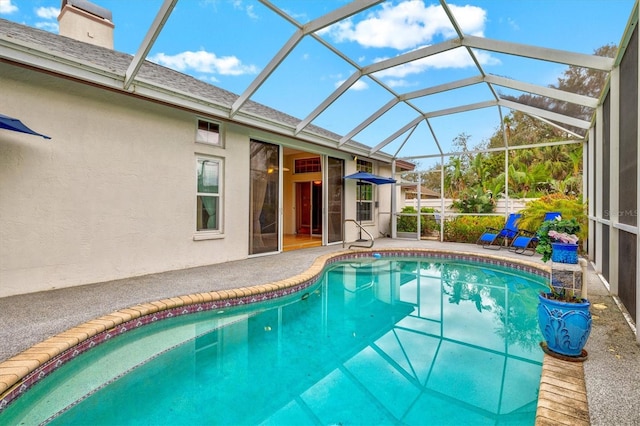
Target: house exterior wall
[113,194]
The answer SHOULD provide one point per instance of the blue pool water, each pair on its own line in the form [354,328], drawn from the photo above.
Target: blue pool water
[376,341]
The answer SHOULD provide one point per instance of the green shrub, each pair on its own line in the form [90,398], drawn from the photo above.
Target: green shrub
[428,223]
[474,201]
[569,208]
[467,229]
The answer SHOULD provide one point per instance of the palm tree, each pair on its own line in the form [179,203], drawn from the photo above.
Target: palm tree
[454,178]
[556,159]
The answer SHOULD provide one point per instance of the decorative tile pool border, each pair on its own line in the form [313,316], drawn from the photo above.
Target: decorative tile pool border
[24,370]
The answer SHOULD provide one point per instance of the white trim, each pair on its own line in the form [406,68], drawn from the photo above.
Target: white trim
[626,228]
[207,235]
[589,183]
[614,178]
[598,186]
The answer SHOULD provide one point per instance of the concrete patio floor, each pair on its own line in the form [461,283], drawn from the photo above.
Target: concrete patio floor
[610,374]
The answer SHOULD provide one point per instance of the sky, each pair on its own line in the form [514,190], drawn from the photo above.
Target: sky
[229,42]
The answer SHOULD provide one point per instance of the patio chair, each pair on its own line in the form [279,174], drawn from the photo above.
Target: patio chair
[526,241]
[494,239]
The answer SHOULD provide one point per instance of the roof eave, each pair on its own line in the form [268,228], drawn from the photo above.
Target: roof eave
[32,56]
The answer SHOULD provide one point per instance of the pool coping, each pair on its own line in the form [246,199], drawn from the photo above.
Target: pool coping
[562,397]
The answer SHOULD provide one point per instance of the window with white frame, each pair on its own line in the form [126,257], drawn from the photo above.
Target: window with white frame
[307,165]
[208,132]
[364,193]
[209,190]
[364,166]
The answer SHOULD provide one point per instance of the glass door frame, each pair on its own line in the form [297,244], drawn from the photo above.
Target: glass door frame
[268,169]
[326,184]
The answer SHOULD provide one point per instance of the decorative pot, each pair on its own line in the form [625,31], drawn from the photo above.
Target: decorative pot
[565,326]
[564,253]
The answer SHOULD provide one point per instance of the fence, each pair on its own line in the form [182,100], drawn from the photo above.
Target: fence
[515,204]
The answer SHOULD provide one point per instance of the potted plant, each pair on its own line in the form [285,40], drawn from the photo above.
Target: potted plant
[563,317]
[557,240]
[565,323]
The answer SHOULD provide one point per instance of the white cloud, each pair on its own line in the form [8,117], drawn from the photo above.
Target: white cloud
[407,25]
[358,85]
[6,7]
[48,26]
[204,62]
[298,16]
[410,25]
[47,12]
[455,58]
[399,83]
[247,8]
[211,78]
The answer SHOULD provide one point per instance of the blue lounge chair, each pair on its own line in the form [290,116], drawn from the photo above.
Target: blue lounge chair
[493,238]
[526,241]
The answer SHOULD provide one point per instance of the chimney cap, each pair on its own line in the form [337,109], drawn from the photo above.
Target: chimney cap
[89,7]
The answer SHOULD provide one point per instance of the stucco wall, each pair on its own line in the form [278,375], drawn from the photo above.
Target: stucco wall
[84,26]
[112,194]
[379,226]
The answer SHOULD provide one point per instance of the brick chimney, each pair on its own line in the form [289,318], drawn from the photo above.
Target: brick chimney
[85,21]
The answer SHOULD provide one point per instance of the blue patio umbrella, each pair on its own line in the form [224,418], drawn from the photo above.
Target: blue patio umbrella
[16,125]
[369,178]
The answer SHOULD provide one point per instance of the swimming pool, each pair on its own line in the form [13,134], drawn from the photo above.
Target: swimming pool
[420,325]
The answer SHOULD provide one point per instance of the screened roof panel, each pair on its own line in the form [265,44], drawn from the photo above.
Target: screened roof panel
[217,45]
[289,57]
[389,29]
[431,70]
[392,121]
[322,70]
[557,24]
[451,98]
[360,101]
[484,121]
[541,73]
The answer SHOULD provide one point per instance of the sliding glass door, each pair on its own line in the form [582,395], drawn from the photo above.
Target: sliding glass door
[264,190]
[334,185]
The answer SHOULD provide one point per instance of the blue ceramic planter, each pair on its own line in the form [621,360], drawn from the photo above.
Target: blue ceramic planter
[565,326]
[564,253]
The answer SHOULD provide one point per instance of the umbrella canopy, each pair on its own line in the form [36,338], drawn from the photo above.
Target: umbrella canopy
[371,178]
[17,126]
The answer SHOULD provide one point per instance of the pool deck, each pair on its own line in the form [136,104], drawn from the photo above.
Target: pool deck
[600,391]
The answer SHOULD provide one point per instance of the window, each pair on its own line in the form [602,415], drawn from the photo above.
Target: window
[364,166]
[364,193]
[364,201]
[307,165]
[209,207]
[208,133]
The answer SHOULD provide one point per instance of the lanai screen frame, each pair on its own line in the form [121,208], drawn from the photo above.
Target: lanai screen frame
[373,149]
[601,180]
[469,42]
[602,133]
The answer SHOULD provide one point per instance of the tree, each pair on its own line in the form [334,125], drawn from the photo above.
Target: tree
[532,172]
[578,80]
